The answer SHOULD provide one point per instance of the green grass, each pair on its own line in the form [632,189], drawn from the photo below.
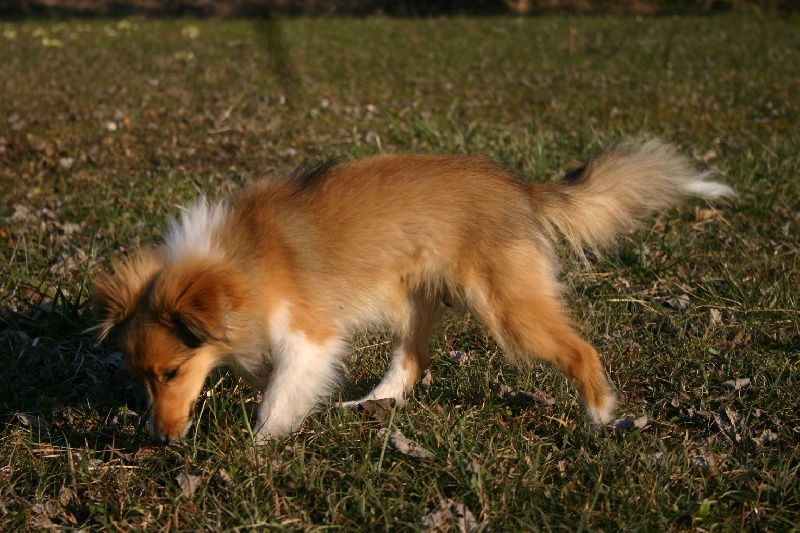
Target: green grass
[106,126]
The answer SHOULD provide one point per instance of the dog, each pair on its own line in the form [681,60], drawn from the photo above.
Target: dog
[273,281]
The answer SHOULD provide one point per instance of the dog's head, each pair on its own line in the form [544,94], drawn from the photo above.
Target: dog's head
[173,323]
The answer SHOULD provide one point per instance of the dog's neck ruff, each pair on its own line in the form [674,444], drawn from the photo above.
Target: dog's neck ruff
[196,232]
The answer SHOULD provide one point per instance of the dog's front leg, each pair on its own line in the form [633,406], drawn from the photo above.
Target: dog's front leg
[303,374]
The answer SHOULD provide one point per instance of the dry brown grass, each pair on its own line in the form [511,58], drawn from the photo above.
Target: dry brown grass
[106,125]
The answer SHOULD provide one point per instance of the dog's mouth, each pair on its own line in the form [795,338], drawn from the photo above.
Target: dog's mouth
[164,437]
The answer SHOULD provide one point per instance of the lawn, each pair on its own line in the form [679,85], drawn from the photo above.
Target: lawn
[106,126]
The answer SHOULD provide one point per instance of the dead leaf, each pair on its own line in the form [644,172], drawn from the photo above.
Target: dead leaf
[145,453]
[741,338]
[66,263]
[188,483]
[701,214]
[66,496]
[765,438]
[96,466]
[706,461]
[459,357]
[48,516]
[708,415]
[378,409]
[679,303]
[36,423]
[716,318]
[223,478]
[521,397]
[737,384]
[42,515]
[127,457]
[125,417]
[759,414]
[629,422]
[450,516]
[728,425]
[426,380]
[21,214]
[186,513]
[6,506]
[405,445]
[470,467]
[654,459]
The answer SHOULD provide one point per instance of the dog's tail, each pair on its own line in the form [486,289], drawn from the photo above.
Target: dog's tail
[622,184]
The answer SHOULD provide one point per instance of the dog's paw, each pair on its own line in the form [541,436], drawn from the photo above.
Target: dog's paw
[262,439]
[601,416]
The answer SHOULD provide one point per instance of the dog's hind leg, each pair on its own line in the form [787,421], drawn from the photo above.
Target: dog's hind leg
[518,300]
[411,354]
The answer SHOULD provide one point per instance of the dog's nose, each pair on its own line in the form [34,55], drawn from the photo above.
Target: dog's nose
[161,439]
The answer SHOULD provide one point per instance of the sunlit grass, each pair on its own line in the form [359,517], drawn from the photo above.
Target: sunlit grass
[106,126]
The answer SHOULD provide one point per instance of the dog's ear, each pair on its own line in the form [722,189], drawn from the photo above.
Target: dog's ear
[197,298]
[115,296]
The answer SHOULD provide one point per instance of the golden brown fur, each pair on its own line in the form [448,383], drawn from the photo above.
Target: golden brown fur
[274,281]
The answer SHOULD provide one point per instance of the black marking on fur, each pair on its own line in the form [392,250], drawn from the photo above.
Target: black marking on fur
[312,172]
[575,175]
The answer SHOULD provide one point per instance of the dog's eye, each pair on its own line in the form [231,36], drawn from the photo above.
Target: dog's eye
[168,375]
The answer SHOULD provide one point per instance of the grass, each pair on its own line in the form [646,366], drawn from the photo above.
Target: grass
[105,126]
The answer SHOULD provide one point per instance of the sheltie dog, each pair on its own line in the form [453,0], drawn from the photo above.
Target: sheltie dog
[274,280]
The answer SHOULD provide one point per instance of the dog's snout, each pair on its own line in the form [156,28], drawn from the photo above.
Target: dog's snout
[158,435]
[165,433]
[162,439]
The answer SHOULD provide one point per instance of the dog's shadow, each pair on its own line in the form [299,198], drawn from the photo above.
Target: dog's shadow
[62,389]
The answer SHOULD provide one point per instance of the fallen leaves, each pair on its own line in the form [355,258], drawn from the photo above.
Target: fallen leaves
[459,357]
[737,384]
[703,214]
[68,262]
[121,188]
[448,516]
[146,453]
[678,303]
[766,437]
[223,478]
[728,424]
[37,424]
[731,424]
[48,515]
[521,397]
[715,318]
[188,483]
[377,409]
[404,445]
[50,221]
[629,422]
[706,462]
[654,460]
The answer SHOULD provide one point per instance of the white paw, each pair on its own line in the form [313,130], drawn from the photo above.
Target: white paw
[262,439]
[603,415]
